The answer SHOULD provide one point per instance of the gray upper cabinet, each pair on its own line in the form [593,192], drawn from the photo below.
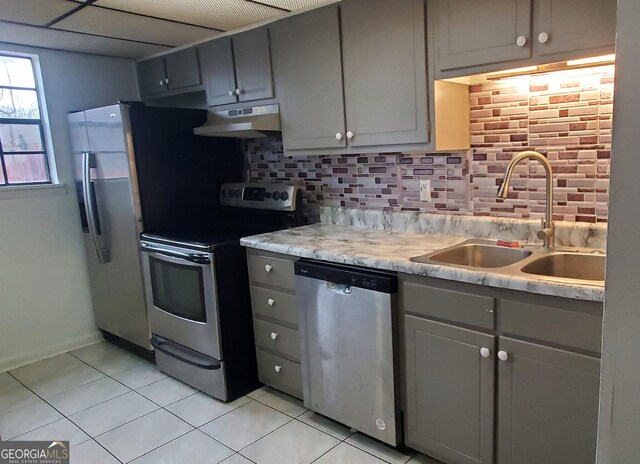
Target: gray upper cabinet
[385,82]
[548,405]
[170,73]
[217,71]
[238,68]
[307,66]
[480,32]
[253,65]
[152,76]
[450,391]
[582,26]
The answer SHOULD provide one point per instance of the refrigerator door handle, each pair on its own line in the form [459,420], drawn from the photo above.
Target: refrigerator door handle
[89,203]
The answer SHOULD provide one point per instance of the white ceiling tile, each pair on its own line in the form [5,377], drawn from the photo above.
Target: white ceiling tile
[37,12]
[70,41]
[220,14]
[112,23]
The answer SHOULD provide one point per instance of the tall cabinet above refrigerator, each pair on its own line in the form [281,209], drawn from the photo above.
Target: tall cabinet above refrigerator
[138,169]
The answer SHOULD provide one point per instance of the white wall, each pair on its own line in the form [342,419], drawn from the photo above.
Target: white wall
[619,423]
[45,305]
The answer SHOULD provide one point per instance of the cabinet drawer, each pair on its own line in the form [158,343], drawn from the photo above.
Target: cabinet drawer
[275,272]
[280,373]
[272,304]
[449,305]
[576,329]
[274,337]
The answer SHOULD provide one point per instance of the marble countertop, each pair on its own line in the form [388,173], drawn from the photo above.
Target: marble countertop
[392,250]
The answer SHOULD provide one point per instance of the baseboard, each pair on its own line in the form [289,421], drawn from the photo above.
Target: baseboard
[49,351]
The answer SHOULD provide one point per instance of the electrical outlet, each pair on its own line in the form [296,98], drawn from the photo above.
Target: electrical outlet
[425,190]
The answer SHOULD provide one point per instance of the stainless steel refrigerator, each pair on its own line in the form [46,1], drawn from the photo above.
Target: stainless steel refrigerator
[138,169]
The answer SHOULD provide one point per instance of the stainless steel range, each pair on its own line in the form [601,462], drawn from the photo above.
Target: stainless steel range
[198,293]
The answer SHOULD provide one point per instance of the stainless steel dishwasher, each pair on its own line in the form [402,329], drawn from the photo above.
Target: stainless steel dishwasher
[348,324]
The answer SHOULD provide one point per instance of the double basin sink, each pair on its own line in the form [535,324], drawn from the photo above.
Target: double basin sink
[564,265]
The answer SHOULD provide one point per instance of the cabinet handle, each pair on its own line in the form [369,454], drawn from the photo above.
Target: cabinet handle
[521,41]
[350,135]
[277,368]
[543,37]
[231,93]
[166,80]
[161,82]
[484,352]
[271,301]
[274,335]
[238,92]
[339,136]
[268,267]
[503,355]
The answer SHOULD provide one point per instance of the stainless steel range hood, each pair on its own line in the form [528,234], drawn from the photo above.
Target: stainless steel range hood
[243,123]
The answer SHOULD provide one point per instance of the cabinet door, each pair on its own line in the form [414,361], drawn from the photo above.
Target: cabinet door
[385,74]
[575,26]
[307,66]
[183,69]
[151,76]
[253,64]
[450,391]
[547,405]
[216,62]
[470,33]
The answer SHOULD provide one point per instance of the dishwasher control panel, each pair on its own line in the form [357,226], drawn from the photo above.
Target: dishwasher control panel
[352,276]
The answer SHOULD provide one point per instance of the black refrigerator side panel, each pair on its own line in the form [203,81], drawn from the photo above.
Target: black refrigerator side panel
[179,174]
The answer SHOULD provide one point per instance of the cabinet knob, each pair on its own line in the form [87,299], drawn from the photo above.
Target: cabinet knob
[339,136]
[271,301]
[484,352]
[238,92]
[350,135]
[521,41]
[268,267]
[543,37]
[274,335]
[161,82]
[231,93]
[166,80]
[277,368]
[503,355]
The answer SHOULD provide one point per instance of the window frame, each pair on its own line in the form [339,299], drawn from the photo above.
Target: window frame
[42,123]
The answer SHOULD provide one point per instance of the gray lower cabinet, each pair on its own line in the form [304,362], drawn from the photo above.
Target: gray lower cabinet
[385,74]
[237,68]
[450,391]
[307,65]
[480,32]
[177,71]
[547,405]
[275,320]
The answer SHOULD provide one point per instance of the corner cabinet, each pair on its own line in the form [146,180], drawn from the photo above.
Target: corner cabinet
[489,369]
[490,35]
[238,68]
[169,74]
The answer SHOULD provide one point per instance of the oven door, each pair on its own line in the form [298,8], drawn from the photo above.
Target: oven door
[181,295]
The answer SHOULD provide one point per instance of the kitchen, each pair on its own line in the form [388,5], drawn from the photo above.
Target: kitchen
[246,175]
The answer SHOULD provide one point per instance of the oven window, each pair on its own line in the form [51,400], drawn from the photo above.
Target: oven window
[178,289]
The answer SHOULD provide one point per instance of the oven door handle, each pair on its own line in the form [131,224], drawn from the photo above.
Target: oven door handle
[183,354]
[197,259]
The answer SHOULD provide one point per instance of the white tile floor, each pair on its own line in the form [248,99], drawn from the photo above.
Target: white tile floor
[115,407]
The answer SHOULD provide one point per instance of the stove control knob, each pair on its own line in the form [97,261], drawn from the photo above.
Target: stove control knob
[276,195]
[224,193]
[277,368]
[274,335]
[284,196]
[267,195]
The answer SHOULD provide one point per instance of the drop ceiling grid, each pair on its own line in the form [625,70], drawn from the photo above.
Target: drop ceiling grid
[219,14]
[112,23]
[294,4]
[34,12]
[71,41]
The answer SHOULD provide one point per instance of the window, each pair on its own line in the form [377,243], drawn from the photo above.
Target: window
[23,151]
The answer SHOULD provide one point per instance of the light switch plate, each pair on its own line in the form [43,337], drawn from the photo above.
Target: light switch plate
[425,190]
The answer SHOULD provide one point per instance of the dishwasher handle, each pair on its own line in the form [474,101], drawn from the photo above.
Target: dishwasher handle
[348,276]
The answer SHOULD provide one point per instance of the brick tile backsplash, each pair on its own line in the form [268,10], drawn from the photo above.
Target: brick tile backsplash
[565,115]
